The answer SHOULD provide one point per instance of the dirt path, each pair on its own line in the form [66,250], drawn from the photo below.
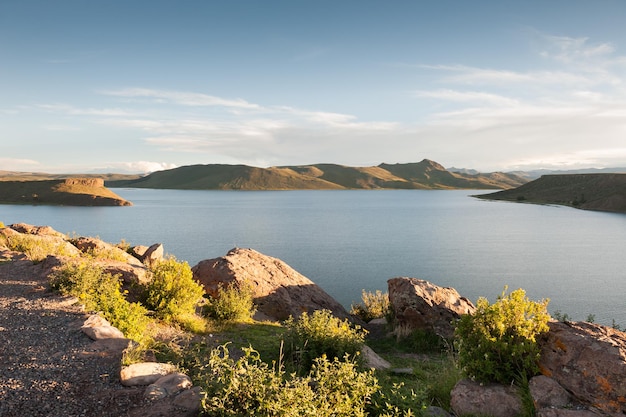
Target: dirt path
[48,367]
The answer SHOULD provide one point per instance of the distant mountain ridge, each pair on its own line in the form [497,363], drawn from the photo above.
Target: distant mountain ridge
[426,174]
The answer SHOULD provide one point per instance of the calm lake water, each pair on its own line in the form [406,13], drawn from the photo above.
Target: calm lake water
[347,241]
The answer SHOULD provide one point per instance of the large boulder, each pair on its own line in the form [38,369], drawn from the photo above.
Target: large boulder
[589,361]
[419,304]
[279,290]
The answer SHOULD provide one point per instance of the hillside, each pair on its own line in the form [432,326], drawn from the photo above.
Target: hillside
[604,192]
[62,192]
[423,175]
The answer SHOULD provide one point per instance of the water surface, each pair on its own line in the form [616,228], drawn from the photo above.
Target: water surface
[347,241]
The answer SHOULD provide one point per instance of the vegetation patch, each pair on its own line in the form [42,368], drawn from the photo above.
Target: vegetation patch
[373,306]
[498,343]
[320,333]
[250,387]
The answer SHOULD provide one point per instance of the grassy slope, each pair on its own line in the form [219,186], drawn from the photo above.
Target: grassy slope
[57,192]
[422,175]
[606,192]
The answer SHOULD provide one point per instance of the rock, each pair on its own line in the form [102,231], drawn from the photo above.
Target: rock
[91,245]
[495,400]
[130,274]
[190,399]
[547,393]
[153,254]
[37,230]
[279,291]
[144,373]
[567,412]
[589,361]
[167,385]
[98,328]
[373,360]
[433,411]
[418,304]
[138,251]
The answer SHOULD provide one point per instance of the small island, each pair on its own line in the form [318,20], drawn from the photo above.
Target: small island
[60,192]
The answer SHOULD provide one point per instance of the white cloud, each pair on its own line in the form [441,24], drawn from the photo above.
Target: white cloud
[141,166]
[468,96]
[181,97]
[17,164]
[77,111]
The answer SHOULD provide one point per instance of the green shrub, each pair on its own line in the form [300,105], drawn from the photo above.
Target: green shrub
[374,305]
[498,342]
[311,336]
[232,304]
[37,248]
[101,292]
[172,293]
[250,387]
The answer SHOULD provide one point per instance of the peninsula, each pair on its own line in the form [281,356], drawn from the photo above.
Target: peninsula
[60,192]
[602,192]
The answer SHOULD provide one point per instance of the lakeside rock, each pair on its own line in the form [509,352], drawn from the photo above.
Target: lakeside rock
[279,290]
[589,361]
[419,304]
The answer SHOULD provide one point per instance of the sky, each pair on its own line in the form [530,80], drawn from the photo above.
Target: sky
[137,86]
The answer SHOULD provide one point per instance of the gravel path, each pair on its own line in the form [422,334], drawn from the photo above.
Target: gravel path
[48,367]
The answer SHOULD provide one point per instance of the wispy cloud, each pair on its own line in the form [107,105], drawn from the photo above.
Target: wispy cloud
[181,97]
[17,164]
[78,111]
[468,97]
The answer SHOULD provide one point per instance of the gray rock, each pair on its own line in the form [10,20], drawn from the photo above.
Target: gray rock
[471,398]
[167,385]
[419,304]
[589,361]
[547,393]
[144,373]
[279,290]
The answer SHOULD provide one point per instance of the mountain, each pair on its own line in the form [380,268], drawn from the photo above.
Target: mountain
[421,175]
[604,192]
[62,192]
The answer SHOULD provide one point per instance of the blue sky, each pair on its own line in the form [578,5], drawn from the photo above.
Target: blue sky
[136,86]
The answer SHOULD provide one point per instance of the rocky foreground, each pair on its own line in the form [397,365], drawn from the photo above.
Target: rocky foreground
[50,365]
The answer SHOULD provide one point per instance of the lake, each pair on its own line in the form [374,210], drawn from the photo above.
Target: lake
[346,241]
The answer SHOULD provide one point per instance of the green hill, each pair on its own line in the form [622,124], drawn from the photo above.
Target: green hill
[62,192]
[604,192]
[423,175]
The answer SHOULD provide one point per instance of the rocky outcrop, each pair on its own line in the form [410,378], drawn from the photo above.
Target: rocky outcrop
[418,304]
[589,361]
[101,249]
[279,290]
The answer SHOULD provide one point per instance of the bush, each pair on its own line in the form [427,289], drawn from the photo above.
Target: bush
[250,387]
[232,304]
[498,342]
[375,305]
[172,293]
[37,248]
[312,336]
[101,292]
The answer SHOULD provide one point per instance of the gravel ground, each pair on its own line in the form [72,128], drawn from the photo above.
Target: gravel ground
[48,367]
